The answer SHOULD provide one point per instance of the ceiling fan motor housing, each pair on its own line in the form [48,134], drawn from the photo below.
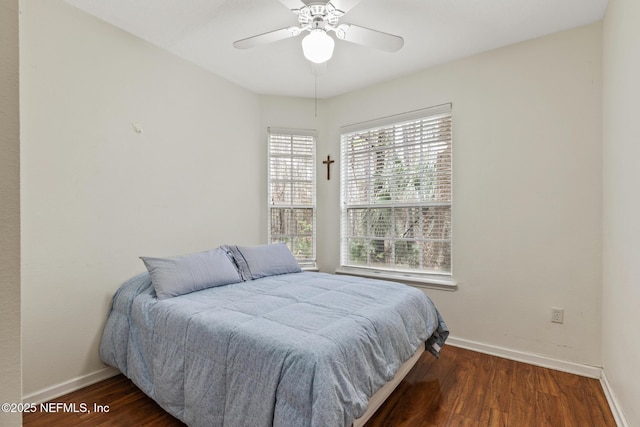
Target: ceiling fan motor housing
[318,15]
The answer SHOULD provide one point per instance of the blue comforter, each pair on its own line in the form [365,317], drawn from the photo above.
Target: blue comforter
[302,349]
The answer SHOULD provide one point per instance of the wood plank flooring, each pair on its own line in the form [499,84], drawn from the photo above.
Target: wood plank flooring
[462,388]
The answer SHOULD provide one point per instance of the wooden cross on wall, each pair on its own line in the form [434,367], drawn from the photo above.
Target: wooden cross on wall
[328,163]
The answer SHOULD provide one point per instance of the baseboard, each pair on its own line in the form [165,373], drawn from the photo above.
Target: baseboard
[530,358]
[616,409]
[547,362]
[74,384]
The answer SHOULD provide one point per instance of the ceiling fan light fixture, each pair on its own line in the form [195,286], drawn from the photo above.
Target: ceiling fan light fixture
[317,46]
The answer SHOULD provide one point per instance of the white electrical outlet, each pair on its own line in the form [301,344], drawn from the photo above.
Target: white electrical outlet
[557,315]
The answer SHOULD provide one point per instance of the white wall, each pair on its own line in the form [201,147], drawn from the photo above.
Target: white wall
[527,189]
[96,194]
[621,154]
[10,374]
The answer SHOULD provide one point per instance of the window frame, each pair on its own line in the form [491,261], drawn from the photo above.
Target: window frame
[305,263]
[438,279]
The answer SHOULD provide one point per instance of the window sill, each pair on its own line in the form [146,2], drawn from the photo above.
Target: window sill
[426,281]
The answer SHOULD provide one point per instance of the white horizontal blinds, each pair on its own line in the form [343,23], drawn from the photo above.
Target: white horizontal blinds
[396,193]
[292,198]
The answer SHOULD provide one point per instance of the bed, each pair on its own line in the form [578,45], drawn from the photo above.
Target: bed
[288,348]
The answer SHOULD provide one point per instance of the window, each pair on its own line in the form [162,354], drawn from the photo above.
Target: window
[396,193]
[292,192]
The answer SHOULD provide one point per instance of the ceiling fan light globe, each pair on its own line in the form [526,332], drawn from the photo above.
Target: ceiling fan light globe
[317,46]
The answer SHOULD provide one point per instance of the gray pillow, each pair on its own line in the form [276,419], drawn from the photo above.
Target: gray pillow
[254,262]
[189,273]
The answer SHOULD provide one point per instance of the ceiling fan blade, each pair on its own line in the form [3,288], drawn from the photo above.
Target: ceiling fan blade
[344,5]
[293,4]
[270,37]
[368,37]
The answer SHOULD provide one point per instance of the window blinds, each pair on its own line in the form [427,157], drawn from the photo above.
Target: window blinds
[397,192]
[292,192]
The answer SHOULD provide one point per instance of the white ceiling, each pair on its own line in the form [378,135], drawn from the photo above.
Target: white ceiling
[435,32]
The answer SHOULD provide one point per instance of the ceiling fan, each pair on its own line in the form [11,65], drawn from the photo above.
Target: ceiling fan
[320,18]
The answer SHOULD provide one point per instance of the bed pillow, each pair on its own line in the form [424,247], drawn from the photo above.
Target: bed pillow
[189,273]
[254,262]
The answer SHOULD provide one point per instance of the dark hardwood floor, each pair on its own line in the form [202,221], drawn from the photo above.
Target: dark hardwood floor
[462,388]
